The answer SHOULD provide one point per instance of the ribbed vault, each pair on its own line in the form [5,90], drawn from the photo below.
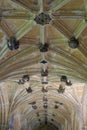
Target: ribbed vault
[50,37]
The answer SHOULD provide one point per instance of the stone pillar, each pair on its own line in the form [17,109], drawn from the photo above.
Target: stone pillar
[84,108]
[17,121]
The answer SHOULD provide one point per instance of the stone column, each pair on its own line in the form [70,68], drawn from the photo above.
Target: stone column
[84,108]
[17,121]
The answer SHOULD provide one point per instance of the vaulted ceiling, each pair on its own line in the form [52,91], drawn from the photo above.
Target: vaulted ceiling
[68,19]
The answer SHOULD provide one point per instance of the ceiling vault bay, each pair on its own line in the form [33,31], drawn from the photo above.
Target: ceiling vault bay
[68,19]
